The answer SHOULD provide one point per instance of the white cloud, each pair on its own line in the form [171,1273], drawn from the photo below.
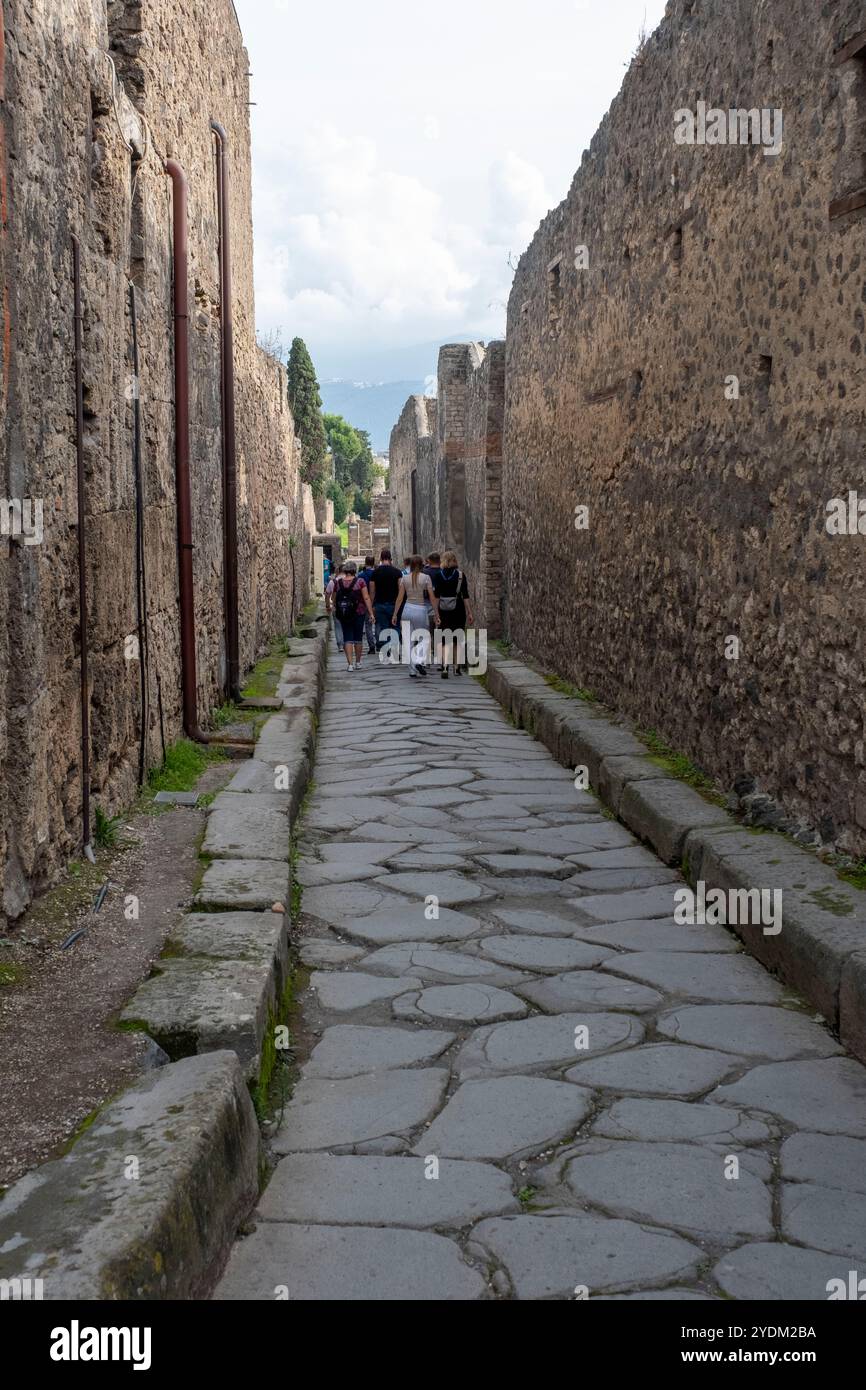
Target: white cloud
[347,245]
[519,199]
[396,171]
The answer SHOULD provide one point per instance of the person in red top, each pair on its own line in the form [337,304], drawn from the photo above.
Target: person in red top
[352,606]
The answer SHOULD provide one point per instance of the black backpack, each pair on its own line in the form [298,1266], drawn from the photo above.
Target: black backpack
[345,600]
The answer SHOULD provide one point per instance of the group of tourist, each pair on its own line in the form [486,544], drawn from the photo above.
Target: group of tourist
[383,606]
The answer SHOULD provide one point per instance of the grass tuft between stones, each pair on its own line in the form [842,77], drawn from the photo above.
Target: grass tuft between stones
[573,692]
[272,1090]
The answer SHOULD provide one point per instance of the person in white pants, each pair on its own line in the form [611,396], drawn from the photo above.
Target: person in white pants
[416,588]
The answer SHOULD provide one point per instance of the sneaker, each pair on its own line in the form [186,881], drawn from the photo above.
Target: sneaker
[422,670]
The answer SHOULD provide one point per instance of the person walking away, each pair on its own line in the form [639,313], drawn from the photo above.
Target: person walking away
[384,587]
[369,623]
[455,610]
[352,606]
[329,606]
[414,591]
[434,560]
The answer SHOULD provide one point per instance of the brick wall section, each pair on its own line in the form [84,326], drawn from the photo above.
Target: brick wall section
[455,451]
[413,449]
[707,515]
[381,521]
[360,536]
[180,63]
[481,553]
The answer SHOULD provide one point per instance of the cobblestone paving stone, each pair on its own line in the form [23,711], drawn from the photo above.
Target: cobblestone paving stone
[526,1080]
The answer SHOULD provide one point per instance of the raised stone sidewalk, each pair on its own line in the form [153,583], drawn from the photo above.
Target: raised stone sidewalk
[526,1080]
[226,970]
[821,947]
[148,1200]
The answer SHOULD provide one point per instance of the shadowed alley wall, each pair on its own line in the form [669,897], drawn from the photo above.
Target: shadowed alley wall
[179,64]
[707,513]
[684,360]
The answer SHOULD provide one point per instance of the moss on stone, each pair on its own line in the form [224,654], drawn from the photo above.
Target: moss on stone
[269,1092]
[573,692]
[839,905]
[11,973]
[855,876]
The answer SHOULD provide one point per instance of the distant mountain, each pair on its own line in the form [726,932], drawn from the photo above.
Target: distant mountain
[372,407]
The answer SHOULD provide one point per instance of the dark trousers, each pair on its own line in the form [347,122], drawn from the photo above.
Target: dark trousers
[384,613]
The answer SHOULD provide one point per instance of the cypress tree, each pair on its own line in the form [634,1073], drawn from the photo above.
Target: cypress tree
[305,403]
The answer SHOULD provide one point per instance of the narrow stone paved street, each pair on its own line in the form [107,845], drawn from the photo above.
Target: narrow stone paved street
[525,1079]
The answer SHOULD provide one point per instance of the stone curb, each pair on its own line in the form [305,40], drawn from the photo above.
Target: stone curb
[821,949]
[147,1202]
[224,988]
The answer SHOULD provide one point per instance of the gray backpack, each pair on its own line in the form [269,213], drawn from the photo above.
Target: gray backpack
[449,603]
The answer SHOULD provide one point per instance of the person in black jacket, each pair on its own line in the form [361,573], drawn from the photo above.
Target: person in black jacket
[455,611]
[384,586]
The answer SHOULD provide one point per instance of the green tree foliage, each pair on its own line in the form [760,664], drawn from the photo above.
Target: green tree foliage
[345,445]
[355,468]
[305,403]
[364,473]
[340,501]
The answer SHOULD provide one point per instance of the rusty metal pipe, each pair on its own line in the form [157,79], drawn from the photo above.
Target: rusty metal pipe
[4,219]
[78,335]
[180,205]
[229,437]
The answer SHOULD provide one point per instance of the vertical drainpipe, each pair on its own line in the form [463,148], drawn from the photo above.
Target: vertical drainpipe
[82,552]
[229,442]
[181,448]
[4,213]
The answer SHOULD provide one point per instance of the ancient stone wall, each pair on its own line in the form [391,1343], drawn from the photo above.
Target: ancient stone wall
[179,63]
[416,483]
[454,449]
[324,514]
[381,522]
[695,379]
[360,536]
[481,553]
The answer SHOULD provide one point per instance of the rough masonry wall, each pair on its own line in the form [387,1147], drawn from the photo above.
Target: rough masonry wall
[180,63]
[453,445]
[381,523]
[707,514]
[481,553]
[413,451]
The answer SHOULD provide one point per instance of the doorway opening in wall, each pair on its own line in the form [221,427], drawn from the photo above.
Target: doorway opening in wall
[554,292]
[850,175]
[765,378]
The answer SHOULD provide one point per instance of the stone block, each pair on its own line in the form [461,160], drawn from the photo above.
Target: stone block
[92,1233]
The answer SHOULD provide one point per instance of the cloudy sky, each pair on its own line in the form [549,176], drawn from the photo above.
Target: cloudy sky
[403,152]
